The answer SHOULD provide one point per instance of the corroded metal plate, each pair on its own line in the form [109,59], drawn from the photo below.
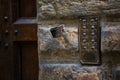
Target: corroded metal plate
[90,39]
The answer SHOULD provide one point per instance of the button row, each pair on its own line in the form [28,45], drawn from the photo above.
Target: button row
[92,40]
[84,33]
[92,27]
[92,47]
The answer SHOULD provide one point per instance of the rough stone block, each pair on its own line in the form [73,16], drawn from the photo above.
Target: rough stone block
[61,43]
[111,37]
[69,72]
[50,9]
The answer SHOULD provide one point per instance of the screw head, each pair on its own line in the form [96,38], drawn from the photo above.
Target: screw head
[92,26]
[93,33]
[6,32]
[84,20]
[84,40]
[92,40]
[93,47]
[85,47]
[84,27]
[6,18]
[92,20]
[16,31]
[84,33]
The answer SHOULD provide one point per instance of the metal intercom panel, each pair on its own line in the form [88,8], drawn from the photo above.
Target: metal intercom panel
[89,38]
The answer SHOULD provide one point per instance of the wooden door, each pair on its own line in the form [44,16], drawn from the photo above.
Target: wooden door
[25,39]
[18,40]
[6,54]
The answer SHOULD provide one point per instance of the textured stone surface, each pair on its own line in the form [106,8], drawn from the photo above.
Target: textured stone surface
[57,54]
[55,50]
[65,46]
[69,72]
[48,9]
[111,37]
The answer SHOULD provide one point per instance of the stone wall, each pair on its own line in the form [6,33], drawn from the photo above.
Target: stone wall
[51,9]
[60,48]
[59,56]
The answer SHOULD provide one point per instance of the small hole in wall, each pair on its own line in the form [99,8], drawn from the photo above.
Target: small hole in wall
[57,31]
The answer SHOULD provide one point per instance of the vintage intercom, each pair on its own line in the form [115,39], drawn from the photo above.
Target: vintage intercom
[89,38]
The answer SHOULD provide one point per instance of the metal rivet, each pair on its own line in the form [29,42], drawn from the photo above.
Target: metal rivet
[84,40]
[16,31]
[84,33]
[85,47]
[92,20]
[93,47]
[96,18]
[92,40]
[6,18]
[92,27]
[6,32]
[84,27]
[93,33]
[84,20]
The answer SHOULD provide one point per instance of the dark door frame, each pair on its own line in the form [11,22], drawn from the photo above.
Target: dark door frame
[14,38]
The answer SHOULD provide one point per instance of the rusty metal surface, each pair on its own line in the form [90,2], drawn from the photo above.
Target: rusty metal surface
[90,39]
